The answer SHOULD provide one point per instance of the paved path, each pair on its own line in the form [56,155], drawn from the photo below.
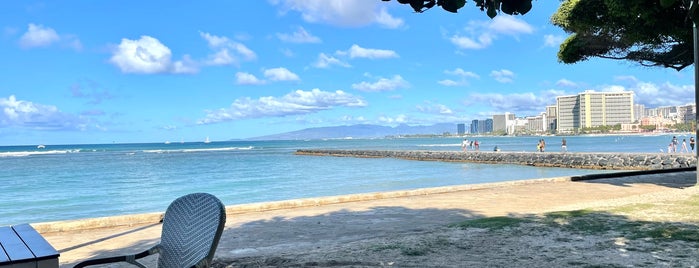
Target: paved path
[292,230]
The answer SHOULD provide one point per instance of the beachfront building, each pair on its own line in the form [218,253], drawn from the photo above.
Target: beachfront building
[592,109]
[481,126]
[686,114]
[461,129]
[504,123]
[551,113]
[537,124]
[489,125]
[474,126]
[639,111]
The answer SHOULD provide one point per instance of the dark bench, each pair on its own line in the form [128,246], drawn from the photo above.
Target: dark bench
[23,247]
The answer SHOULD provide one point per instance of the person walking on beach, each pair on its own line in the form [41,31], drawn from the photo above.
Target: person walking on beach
[684,146]
[564,145]
[691,143]
[464,145]
[476,145]
[674,144]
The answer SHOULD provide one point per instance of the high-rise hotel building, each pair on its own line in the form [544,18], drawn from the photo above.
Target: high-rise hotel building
[592,109]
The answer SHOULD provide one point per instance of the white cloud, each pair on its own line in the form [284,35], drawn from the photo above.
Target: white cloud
[484,40]
[383,84]
[481,34]
[509,25]
[463,75]
[451,83]
[280,74]
[41,36]
[299,36]
[521,103]
[399,119]
[38,36]
[460,72]
[325,61]
[294,103]
[655,95]
[356,51]
[553,40]
[566,83]
[503,76]
[628,78]
[227,51]
[434,108]
[146,55]
[26,114]
[185,66]
[242,78]
[340,12]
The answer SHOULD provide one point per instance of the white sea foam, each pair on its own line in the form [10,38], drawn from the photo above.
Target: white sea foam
[28,153]
[160,151]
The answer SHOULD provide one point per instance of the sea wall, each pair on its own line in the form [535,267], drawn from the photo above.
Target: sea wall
[614,161]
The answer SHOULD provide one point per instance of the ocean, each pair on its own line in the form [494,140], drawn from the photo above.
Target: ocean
[65,182]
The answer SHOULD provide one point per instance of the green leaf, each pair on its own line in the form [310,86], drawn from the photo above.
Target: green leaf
[667,3]
[492,12]
[507,7]
[417,5]
[452,5]
[525,7]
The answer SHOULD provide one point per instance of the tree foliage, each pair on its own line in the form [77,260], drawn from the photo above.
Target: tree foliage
[492,7]
[648,32]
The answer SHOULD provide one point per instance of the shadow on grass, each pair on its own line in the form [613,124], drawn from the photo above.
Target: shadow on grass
[405,237]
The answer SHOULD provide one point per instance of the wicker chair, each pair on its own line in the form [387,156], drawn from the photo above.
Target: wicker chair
[192,227]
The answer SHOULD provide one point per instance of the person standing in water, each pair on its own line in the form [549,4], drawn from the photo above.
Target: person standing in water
[691,143]
[564,145]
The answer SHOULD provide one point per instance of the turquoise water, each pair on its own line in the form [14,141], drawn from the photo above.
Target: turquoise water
[62,182]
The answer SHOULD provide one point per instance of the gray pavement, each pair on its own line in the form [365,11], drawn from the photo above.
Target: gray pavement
[294,226]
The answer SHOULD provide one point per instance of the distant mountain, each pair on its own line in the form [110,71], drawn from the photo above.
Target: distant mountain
[362,131]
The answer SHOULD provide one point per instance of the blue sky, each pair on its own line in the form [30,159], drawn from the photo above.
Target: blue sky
[151,71]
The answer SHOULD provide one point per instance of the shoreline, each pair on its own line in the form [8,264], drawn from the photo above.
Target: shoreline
[232,210]
[348,231]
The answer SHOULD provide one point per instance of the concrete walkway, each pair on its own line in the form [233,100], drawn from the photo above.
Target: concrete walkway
[298,225]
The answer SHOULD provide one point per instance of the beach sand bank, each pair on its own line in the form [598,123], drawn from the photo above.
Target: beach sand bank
[411,228]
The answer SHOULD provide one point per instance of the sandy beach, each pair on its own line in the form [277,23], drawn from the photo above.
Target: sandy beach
[425,228]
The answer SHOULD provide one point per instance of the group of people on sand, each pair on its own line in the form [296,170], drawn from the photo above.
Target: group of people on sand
[674,143]
[466,144]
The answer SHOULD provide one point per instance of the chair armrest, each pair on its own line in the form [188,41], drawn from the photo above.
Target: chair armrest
[126,258]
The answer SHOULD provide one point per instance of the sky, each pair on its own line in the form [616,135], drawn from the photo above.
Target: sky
[86,72]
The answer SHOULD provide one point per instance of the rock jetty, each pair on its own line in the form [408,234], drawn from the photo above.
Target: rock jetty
[612,161]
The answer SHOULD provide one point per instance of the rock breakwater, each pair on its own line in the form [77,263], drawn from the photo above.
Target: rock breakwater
[614,161]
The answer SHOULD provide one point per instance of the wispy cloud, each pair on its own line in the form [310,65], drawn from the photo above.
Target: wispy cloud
[503,76]
[340,12]
[481,34]
[551,40]
[566,83]
[382,84]
[299,36]
[26,114]
[369,53]
[226,50]
[242,78]
[42,36]
[281,74]
[325,61]
[294,103]
[462,75]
